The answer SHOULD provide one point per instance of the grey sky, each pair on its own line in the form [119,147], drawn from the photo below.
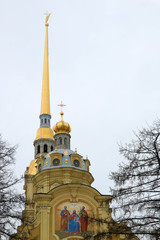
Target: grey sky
[104,65]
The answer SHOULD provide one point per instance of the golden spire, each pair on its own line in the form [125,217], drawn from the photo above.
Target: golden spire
[45,101]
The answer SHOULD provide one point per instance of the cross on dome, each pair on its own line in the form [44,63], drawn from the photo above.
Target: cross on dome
[62,127]
[61,105]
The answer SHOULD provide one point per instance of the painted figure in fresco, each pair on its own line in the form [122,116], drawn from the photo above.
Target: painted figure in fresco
[73,222]
[83,219]
[64,219]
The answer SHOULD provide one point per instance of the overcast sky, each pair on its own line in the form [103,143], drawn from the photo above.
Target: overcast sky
[104,58]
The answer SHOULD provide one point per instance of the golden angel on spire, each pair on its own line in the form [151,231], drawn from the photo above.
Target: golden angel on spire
[47,17]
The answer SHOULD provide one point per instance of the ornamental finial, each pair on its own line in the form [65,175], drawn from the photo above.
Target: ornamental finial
[47,17]
[61,105]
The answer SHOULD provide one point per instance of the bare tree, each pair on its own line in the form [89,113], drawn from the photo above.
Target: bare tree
[137,184]
[11,202]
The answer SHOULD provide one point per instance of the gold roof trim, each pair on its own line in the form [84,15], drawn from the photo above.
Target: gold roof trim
[44,132]
[32,167]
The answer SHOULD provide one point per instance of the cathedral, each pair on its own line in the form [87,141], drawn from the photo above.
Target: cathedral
[60,201]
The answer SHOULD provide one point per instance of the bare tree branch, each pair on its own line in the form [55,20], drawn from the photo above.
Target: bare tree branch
[137,184]
[11,202]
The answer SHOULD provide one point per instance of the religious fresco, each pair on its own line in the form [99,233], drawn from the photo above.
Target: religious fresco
[73,218]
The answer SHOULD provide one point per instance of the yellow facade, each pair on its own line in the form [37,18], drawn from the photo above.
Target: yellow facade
[60,201]
[48,191]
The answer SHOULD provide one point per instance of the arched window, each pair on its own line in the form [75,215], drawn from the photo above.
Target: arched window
[38,149]
[55,142]
[45,120]
[60,140]
[65,141]
[76,163]
[56,162]
[45,148]
[51,148]
[39,167]
[41,121]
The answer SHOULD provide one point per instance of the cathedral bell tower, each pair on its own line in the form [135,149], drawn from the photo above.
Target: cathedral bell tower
[60,201]
[44,141]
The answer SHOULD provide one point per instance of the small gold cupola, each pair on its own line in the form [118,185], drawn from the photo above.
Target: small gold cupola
[61,126]
[62,130]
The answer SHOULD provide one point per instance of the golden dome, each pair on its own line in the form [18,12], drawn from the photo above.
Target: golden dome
[62,127]
[44,132]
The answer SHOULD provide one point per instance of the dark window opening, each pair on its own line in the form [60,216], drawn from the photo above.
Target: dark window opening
[39,167]
[56,142]
[45,148]
[56,162]
[65,141]
[41,121]
[51,148]
[45,120]
[38,149]
[76,163]
[60,140]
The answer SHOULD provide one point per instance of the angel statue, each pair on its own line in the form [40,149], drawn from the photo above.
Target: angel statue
[47,17]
